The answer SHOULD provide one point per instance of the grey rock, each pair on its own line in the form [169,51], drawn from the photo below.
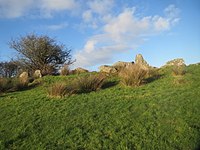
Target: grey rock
[107,69]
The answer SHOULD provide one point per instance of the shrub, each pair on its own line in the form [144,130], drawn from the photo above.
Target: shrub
[11,84]
[90,83]
[132,75]
[65,70]
[178,70]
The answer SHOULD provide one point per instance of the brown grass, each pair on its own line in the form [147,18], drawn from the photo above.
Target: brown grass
[132,75]
[90,83]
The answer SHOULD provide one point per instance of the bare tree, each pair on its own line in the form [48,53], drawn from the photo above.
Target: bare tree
[8,69]
[41,52]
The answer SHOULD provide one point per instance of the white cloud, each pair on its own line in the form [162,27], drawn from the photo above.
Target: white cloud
[101,6]
[14,8]
[87,16]
[122,33]
[161,24]
[18,8]
[48,7]
[57,26]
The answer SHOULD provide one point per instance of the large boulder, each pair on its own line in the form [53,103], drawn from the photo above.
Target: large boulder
[80,70]
[37,74]
[139,60]
[23,78]
[107,69]
[175,62]
[120,64]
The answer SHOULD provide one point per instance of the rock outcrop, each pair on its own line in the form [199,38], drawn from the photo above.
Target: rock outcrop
[37,74]
[79,70]
[120,64]
[175,62]
[23,78]
[139,60]
[107,69]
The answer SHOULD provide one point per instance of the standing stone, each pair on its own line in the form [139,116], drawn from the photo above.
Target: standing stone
[23,78]
[37,74]
[139,60]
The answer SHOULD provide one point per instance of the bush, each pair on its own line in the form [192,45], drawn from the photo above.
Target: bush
[90,83]
[11,84]
[132,75]
[65,70]
[178,70]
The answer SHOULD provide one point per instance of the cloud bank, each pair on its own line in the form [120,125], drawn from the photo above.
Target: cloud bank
[123,32]
[114,30]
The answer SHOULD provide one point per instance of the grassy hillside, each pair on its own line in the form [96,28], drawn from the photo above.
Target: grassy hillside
[163,114]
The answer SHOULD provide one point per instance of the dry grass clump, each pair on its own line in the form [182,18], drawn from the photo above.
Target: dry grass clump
[133,75]
[57,90]
[178,70]
[83,84]
[90,83]
[65,70]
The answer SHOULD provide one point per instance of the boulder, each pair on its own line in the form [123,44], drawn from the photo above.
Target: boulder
[175,62]
[139,60]
[37,74]
[120,64]
[80,70]
[107,69]
[23,78]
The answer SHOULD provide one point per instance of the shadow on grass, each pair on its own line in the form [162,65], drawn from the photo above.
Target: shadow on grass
[109,84]
[152,79]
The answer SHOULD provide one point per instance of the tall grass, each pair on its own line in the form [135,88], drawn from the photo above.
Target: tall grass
[57,90]
[132,75]
[90,83]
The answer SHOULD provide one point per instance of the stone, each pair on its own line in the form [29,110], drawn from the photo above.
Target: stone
[23,78]
[120,64]
[80,70]
[37,74]
[107,69]
[139,60]
[175,62]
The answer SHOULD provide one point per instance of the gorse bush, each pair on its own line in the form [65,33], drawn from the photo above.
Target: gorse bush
[133,75]
[178,70]
[90,83]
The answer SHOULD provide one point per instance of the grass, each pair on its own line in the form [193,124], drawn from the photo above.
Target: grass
[157,115]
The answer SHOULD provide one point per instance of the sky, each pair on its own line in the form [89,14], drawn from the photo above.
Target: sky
[102,32]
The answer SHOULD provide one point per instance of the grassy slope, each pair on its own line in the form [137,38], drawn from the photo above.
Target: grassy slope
[159,115]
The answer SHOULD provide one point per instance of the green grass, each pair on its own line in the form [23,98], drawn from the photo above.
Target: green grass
[159,115]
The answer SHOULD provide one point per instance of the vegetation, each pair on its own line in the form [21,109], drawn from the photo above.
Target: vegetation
[178,70]
[89,83]
[157,115]
[41,52]
[133,75]
[8,69]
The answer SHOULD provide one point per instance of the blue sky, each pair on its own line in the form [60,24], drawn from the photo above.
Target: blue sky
[105,31]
